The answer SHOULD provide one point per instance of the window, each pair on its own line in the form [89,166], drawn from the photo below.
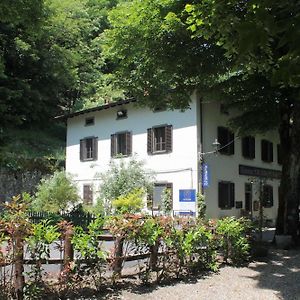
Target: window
[248,197]
[89,149]
[267,195]
[279,154]
[160,139]
[266,151]
[121,114]
[89,121]
[226,195]
[155,202]
[121,144]
[248,147]
[87,194]
[226,139]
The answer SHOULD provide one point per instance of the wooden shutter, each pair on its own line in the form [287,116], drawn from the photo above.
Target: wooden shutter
[271,151]
[150,140]
[113,145]
[168,135]
[222,138]
[248,147]
[87,194]
[95,148]
[128,143]
[222,195]
[264,150]
[81,151]
[231,194]
[279,154]
[252,147]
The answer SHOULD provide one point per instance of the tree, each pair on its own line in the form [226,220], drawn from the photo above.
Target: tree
[247,51]
[122,179]
[55,193]
[261,38]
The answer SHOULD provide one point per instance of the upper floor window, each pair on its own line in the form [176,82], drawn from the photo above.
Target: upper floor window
[87,194]
[121,114]
[226,195]
[267,196]
[160,139]
[266,151]
[89,121]
[89,149]
[224,109]
[248,147]
[226,139]
[121,144]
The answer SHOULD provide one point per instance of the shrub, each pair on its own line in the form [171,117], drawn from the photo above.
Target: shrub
[233,238]
[166,201]
[201,206]
[55,193]
[130,203]
[123,178]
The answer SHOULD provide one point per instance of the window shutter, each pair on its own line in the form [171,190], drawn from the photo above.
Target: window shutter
[271,151]
[150,140]
[128,143]
[252,147]
[230,140]
[95,148]
[222,195]
[231,194]
[264,154]
[169,142]
[279,154]
[81,151]
[113,145]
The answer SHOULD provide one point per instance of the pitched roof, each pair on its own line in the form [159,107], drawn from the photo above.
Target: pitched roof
[98,108]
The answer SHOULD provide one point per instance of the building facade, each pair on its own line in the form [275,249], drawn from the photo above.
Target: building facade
[177,146]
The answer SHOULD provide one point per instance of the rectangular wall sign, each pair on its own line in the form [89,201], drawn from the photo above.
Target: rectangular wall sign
[205,176]
[187,195]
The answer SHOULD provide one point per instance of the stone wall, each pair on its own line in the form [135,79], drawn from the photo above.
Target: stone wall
[16,182]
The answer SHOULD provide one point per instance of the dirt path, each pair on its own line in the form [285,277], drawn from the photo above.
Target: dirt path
[276,278]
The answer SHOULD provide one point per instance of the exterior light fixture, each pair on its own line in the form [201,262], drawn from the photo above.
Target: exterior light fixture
[216,145]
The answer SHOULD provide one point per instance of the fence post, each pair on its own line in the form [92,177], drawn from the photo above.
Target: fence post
[153,256]
[118,259]
[19,267]
[68,247]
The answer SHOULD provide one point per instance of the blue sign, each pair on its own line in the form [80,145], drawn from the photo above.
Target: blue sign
[187,195]
[205,176]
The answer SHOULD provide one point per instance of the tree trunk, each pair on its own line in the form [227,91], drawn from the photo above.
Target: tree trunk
[288,211]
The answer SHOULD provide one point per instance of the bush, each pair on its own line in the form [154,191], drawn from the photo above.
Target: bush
[121,179]
[130,203]
[56,193]
[233,238]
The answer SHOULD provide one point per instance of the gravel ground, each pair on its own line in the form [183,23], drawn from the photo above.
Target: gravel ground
[278,277]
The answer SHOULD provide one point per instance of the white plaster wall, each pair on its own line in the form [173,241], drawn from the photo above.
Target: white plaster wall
[226,168]
[178,167]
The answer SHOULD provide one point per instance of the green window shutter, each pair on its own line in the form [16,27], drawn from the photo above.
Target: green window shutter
[113,145]
[128,143]
[95,148]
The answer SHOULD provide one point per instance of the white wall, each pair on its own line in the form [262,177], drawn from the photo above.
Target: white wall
[178,167]
[226,167]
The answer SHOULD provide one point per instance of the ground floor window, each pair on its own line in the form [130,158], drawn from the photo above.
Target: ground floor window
[87,194]
[267,199]
[226,195]
[155,201]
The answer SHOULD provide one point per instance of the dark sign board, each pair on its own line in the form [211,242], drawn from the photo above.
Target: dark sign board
[259,172]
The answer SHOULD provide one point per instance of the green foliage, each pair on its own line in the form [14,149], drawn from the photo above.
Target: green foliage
[233,238]
[167,201]
[130,203]
[56,193]
[201,206]
[156,60]
[122,178]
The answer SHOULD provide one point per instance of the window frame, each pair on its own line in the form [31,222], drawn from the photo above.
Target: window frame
[268,193]
[168,139]
[89,121]
[248,147]
[225,136]
[150,202]
[230,201]
[115,144]
[267,152]
[83,149]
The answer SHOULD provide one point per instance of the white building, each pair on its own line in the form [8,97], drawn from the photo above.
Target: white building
[170,142]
